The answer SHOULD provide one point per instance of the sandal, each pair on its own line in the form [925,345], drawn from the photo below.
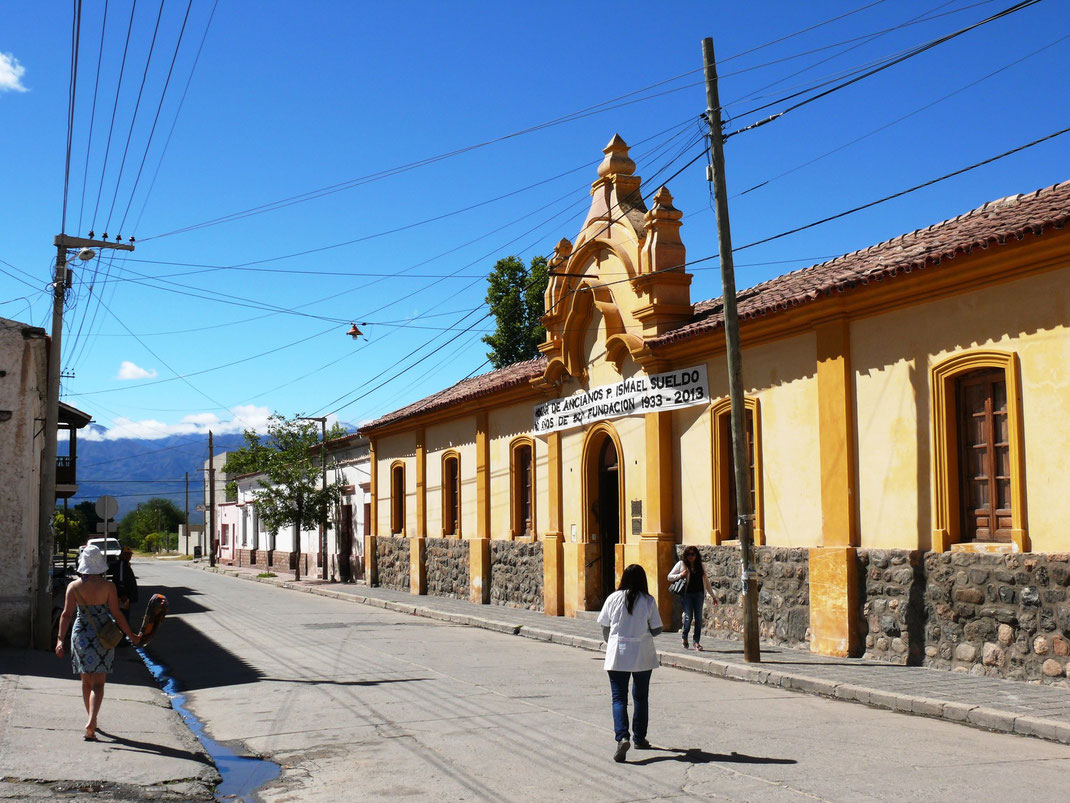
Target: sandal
[698,647]
[685,643]
[89,735]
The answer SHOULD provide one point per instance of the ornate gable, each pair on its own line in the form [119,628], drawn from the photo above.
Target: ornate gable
[627,262]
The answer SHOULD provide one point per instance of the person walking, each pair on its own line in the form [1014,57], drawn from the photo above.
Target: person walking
[630,620]
[698,585]
[93,597]
[125,581]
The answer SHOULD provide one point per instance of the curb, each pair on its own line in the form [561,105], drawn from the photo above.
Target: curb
[985,718]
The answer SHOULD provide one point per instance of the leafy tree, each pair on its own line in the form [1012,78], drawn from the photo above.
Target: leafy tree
[516,298]
[70,528]
[254,455]
[289,493]
[87,510]
[158,515]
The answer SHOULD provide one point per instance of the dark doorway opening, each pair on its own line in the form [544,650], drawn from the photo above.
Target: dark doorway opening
[608,513]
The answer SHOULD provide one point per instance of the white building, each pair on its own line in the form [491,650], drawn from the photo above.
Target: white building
[244,540]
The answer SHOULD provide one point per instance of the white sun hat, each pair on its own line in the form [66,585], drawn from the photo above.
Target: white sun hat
[92,561]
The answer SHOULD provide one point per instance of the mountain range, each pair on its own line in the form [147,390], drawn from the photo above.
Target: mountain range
[134,470]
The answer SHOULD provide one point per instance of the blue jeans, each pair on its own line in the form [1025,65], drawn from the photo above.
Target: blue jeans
[618,682]
[693,612]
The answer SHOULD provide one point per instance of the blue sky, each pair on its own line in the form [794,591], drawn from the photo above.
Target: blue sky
[288,99]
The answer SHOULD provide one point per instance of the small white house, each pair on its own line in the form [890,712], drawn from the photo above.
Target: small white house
[243,540]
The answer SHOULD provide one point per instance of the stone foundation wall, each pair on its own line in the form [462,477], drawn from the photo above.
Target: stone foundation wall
[1003,616]
[998,615]
[891,593]
[446,563]
[783,593]
[516,578]
[392,557]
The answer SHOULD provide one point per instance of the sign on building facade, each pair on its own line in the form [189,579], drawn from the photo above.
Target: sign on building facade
[636,395]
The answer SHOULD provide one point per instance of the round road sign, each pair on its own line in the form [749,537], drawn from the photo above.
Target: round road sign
[107,507]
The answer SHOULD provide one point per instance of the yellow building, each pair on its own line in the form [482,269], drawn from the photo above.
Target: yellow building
[907,408]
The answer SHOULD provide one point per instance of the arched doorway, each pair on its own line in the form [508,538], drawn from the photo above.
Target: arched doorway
[603,490]
[608,513]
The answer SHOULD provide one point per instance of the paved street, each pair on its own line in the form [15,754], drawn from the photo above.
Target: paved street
[357,701]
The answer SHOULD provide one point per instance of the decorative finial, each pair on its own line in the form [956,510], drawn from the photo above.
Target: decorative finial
[616,161]
[663,198]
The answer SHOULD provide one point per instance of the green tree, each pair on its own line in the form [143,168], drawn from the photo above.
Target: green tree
[69,528]
[158,515]
[289,493]
[515,294]
[88,512]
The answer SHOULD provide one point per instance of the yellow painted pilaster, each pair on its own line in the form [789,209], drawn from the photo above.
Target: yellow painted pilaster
[580,580]
[421,485]
[553,575]
[418,565]
[656,550]
[658,505]
[834,608]
[479,570]
[371,561]
[482,477]
[553,568]
[374,468]
[836,432]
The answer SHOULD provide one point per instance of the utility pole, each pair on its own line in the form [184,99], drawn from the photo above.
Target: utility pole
[42,625]
[187,514]
[323,470]
[211,501]
[740,453]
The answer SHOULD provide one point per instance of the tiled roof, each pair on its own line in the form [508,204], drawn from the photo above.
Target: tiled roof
[995,223]
[520,373]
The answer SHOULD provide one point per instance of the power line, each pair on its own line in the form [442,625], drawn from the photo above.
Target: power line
[114,108]
[907,191]
[910,54]
[76,30]
[898,120]
[93,114]
[163,95]
[133,117]
[178,111]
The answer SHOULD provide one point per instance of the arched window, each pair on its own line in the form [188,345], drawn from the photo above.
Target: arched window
[397,498]
[977,451]
[451,495]
[522,476]
[724,475]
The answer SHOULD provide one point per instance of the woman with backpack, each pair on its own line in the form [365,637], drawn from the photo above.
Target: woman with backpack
[630,620]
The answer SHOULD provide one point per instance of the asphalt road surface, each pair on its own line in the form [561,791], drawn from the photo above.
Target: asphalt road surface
[360,703]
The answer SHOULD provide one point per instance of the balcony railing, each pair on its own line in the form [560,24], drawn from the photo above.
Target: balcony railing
[65,474]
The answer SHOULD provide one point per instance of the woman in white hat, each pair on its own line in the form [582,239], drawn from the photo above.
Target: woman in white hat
[96,601]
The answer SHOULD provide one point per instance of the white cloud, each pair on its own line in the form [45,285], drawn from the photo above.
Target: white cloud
[241,418]
[129,370]
[11,73]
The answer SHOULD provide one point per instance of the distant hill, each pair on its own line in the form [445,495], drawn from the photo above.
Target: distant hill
[134,470]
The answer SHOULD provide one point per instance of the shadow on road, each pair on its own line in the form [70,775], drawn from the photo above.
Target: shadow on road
[308,682]
[196,661]
[694,755]
[134,745]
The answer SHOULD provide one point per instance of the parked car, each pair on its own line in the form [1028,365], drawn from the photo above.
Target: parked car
[109,546]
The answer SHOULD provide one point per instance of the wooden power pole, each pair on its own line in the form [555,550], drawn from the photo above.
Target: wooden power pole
[740,452]
[42,611]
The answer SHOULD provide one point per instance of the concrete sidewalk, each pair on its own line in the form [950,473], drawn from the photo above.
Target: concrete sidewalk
[997,705]
[144,750]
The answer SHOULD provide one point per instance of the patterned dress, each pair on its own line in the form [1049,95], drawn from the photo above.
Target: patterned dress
[87,653]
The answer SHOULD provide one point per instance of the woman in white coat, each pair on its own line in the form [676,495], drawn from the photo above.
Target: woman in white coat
[630,620]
